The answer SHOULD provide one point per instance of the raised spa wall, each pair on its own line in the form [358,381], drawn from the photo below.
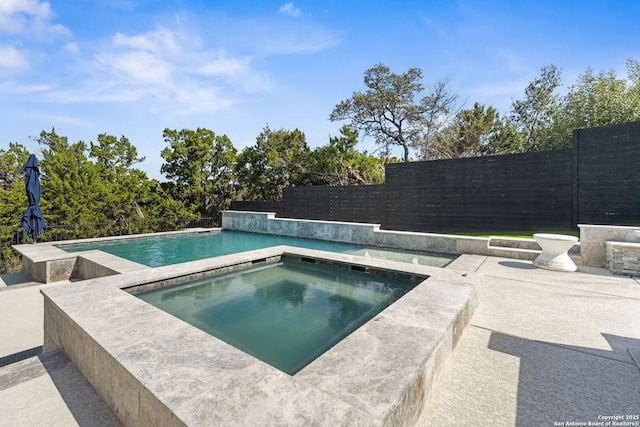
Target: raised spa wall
[154,369]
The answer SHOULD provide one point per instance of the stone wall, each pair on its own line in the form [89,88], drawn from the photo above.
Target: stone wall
[593,240]
[623,258]
[352,232]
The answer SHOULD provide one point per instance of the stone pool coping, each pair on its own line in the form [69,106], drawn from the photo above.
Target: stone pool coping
[152,368]
[46,262]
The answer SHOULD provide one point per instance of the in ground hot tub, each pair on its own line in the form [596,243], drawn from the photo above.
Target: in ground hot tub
[285,313]
[152,368]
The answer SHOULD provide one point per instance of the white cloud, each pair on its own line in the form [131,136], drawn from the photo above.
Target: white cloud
[17,88]
[30,7]
[180,71]
[219,64]
[500,88]
[310,40]
[290,9]
[12,58]
[166,72]
[159,41]
[30,17]
[137,67]
[499,94]
[74,121]
[72,48]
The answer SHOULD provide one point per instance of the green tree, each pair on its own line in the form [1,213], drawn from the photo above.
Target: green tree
[199,165]
[473,132]
[127,193]
[115,155]
[77,189]
[72,188]
[545,120]
[13,202]
[339,163]
[279,159]
[535,116]
[389,112]
[602,99]
[11,161]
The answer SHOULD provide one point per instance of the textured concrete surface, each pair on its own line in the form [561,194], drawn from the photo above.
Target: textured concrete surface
[543,347]
[47,390]
[39,389]
[21,317]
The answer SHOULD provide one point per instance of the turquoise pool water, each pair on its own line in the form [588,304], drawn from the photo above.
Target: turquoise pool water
[166,250]
[286,313]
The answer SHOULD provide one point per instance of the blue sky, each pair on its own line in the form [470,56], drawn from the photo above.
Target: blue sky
[136,67]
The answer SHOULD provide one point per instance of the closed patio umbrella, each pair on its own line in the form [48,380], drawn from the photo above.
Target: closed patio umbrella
[32,221]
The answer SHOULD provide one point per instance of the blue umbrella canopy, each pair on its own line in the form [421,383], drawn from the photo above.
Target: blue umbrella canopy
[32,221]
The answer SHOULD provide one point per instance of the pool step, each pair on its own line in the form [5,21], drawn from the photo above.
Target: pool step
[513,242]
[518,248]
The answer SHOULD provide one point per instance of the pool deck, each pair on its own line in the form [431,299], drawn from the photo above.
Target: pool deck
[541,347]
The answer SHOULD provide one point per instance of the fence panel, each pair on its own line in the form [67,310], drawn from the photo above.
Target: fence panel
[276,206]
[358,203]
[609,174]
[492,193]
[312,202]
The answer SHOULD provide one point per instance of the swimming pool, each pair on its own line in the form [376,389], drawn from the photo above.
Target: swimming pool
[167,250]
[285,313]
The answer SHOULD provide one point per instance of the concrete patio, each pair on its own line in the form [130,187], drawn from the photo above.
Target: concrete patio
[542,347]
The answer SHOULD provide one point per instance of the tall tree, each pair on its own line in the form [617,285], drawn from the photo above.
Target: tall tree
[11,161]
[339,163]
[127,192]
[602,99]
[200,166]
[545,120]
[389,112]
[279,159]
[438,107]
[13,200]
[72,188]
[116,155]
[473,132]
[77,189]
[535,115]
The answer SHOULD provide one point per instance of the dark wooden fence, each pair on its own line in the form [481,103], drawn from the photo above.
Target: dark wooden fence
[362,203]
[608,174]
[358,203]
[596,182]
[511,192]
